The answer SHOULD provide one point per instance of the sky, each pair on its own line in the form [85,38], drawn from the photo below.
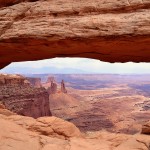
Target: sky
[76,65]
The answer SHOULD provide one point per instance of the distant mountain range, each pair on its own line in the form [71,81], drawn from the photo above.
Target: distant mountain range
[45,70]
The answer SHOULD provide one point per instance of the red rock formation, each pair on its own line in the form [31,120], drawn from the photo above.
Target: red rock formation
[36,82]
[63,88]
[53,88]
[20,97]
[2,106]
[109,30]
[9,80]
[4,3]
[146,128]
[51,133]
[50,79]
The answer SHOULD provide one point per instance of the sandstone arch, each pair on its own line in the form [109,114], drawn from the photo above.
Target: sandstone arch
[112,30]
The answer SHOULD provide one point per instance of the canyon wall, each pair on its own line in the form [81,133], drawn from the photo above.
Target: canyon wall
[36,82]
[19,96]
[109,30]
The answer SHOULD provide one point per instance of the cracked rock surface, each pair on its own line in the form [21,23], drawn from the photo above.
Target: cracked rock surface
[109,30]
[51,133]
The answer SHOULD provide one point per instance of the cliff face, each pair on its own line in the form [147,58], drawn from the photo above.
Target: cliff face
[109,30]
[17,94]
[10,80]
[36,82]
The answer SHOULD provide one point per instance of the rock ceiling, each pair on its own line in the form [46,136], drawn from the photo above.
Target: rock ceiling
[108,30]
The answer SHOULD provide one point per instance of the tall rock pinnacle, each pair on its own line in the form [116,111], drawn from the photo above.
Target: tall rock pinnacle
[53,88]
[63,89]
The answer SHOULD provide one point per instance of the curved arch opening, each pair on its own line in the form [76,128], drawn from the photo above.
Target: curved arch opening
[93,95]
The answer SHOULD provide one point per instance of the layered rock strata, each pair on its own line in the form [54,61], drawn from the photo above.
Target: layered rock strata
[17,94]
[109,30]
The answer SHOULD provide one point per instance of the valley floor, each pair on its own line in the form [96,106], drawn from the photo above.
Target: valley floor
[117,109]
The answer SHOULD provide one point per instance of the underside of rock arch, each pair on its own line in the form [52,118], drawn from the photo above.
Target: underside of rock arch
[108,30]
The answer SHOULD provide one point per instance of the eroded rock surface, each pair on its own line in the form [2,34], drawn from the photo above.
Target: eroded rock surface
[36,82]
[53,88]
[5,3]
[45,133]
[17,94]
[5,111]
[109,30]
[146,128]
[63,87]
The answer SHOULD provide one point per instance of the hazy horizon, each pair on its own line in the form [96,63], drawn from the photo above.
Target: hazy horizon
[75,66]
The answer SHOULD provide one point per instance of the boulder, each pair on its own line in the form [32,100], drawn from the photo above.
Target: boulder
[60,126]
[45,133]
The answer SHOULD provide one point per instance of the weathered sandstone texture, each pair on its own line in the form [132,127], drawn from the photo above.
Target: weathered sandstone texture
[109,30]
[17,94]
[146,128]
[5,111]
[51,133]
[54,87]
[4,3]
[13,80]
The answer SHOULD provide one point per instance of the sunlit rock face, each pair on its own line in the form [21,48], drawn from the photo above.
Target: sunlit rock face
[109,30]
[10,80]
[17,94]
[51,133]
[146,128]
